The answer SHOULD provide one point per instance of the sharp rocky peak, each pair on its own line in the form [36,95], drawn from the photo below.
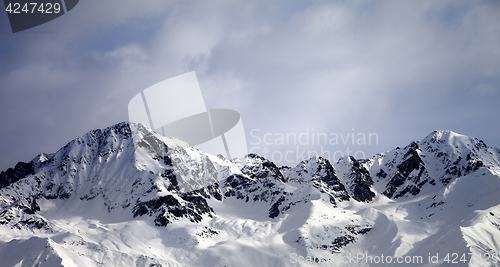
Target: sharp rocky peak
[429,164]
[256,166]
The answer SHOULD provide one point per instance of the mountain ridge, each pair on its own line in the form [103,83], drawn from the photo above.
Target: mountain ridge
[315,209]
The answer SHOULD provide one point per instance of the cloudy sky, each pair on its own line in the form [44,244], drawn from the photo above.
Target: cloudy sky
[397,69]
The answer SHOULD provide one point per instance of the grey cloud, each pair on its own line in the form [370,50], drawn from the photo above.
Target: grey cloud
[399,69]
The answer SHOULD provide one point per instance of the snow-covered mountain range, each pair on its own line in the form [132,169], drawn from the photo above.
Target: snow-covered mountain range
[125,196]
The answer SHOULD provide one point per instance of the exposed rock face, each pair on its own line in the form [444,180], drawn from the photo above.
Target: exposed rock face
[319,173]
[13,175]
[410,176]
[168,208]
[360,181]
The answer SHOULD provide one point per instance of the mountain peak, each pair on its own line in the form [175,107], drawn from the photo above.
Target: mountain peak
[451,138]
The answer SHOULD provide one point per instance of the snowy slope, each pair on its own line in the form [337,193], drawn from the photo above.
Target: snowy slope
[125,196]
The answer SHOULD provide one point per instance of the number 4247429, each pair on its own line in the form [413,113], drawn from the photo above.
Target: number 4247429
[33,7]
